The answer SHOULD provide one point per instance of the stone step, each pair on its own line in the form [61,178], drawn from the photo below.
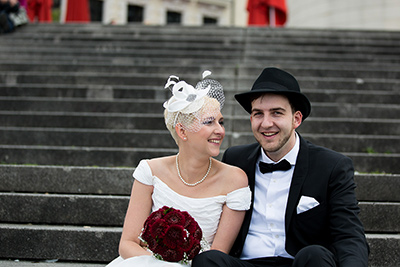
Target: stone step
[70,243]
[224,47]
[110,211]
[79,156]
[101,68]
[46,263]
[384,250]
[258,35]
[191,57]
[358,126]
[124,157]
[154,92]
[297,36]
[355,71]
[96,180]
[325,109]
[100,244]
[241,38]
[72,209]
[371,215]
[78,180]
[377,187]
[78,44]
[142,55]
[150,121]
[96,29]
[35,136]
[121,79]
[89,91]
[338,142]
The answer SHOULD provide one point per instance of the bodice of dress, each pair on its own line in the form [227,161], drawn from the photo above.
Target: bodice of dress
[206,211]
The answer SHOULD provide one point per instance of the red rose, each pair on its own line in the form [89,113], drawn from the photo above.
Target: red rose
[175,217]
[172,234]
[173,255]
[152,244]
[195,250]
[175,236]
[198,234]
[188,218]
[192,227]
[153,217]
[158,228]
[146,234]
[188,244]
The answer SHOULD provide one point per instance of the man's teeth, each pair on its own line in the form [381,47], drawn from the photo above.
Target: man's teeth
[268,134]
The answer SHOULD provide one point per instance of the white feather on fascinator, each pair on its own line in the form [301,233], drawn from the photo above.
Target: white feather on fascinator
[187,99]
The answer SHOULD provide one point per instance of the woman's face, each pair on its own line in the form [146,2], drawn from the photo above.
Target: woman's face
[209,138]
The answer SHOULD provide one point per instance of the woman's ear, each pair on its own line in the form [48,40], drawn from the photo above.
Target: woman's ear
[180,131]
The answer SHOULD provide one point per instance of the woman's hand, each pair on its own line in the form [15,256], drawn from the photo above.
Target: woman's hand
[13,2]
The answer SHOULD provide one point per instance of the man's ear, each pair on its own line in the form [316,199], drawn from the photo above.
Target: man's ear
[180,131]
[297,119]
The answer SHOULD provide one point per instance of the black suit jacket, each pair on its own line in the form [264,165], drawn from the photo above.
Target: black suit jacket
[328,177]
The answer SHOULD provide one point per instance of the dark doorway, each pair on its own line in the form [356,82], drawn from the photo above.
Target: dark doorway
[96,10]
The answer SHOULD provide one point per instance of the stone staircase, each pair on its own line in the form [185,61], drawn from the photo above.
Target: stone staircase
[80,105]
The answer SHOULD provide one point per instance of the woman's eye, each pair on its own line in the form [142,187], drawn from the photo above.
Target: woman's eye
[208,121]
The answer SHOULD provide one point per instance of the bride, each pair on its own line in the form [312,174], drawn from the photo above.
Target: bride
[215,194]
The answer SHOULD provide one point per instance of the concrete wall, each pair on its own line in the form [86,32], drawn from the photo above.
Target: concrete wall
[155,11]
[340,14]
[344,14]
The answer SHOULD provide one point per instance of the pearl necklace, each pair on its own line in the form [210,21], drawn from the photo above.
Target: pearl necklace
[196,183]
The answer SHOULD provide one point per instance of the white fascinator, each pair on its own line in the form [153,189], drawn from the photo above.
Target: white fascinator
[187,101]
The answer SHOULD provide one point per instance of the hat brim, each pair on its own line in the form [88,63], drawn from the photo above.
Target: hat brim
[299,100]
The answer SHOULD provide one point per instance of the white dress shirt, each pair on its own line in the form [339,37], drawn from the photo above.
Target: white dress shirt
[266,236]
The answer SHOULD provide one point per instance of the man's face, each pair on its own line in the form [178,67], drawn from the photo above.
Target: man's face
[273,124]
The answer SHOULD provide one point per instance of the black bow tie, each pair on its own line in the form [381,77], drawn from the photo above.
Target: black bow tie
[283,165]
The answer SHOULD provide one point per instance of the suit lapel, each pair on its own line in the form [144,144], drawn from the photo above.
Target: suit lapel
[251,171]
[299,175]
[251,174]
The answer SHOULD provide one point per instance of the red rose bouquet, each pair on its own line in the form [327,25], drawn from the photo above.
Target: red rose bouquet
[172,235]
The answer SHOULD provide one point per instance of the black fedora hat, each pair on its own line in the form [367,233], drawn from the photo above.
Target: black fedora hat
[276,81]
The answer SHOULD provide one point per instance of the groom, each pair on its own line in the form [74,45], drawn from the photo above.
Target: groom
[304,210]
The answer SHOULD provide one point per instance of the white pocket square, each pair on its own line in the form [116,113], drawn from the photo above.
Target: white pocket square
[306,203]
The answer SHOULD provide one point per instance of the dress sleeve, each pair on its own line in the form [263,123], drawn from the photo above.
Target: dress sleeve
[239,199]
[143,173]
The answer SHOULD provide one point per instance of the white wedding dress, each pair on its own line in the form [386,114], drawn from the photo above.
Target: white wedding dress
[206,211]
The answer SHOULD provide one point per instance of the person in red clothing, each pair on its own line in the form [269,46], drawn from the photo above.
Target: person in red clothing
[267,12]
[39,10]
[76,11]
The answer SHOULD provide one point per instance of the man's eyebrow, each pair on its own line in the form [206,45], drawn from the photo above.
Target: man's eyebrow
[255,109]
[271,109]
[277,109]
